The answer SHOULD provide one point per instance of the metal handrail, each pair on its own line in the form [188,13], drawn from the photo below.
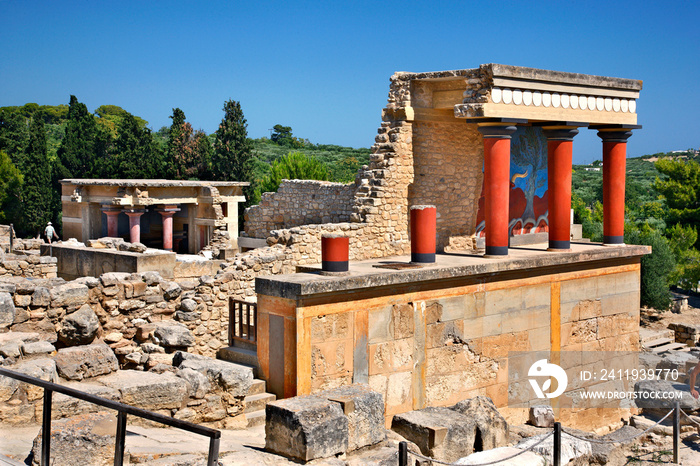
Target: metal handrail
[123,409]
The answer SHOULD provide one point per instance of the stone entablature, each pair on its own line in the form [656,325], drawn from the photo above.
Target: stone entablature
[199,214]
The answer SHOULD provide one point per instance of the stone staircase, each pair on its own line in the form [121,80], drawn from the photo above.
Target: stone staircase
[660,341]
[254,403]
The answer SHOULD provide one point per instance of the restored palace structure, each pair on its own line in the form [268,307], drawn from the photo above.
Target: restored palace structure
[178,216]
[491,149]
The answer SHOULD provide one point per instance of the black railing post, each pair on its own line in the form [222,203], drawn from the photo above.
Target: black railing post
[556,453]
[676,430]
[121,439]
[403,454]
[213,458]
[46,429]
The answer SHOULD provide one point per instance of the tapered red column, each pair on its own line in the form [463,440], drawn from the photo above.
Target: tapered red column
[614,166]
[112,220]
[135,224]
[560,141]
[496,186]
[167,213]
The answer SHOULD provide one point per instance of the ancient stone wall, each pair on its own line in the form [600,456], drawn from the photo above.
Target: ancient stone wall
[30,265]
[300,202]
[448,159]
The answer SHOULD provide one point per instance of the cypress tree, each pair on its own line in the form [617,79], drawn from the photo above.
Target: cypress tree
[78,148]
[176,138]
[136,153]
[233,153]
[36,192]
[13,135]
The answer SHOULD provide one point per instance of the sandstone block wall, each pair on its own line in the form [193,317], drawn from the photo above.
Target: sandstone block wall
[438,347]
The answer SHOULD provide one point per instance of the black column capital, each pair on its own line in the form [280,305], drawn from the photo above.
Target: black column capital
[614,136]
[497,131]
[560,134]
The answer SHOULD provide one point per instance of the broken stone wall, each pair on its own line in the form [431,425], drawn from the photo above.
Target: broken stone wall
[300,202]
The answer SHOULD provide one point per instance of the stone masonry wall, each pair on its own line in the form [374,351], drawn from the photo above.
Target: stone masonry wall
[453,345]
[30,265]
[448,159]
[300,202]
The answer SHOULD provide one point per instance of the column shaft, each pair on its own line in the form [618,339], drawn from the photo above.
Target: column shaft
[167,213]
[614,173]
[135,225]
[112,221]
[497,187]
[559,153]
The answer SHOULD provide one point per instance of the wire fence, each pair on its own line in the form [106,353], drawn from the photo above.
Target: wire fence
[557,432]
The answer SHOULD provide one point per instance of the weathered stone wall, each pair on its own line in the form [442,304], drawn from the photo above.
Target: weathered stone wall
[30,265]
[300,202]
[448,159]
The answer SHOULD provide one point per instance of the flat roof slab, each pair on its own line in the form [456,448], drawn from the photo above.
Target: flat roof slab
[365,274]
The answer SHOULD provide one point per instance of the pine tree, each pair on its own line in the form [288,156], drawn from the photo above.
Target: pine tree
[36,192]
[233,154]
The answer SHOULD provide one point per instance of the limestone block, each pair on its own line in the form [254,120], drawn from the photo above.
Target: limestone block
[233,378]
[571,448]
[188,305]
[498,454]
[44,369]
[7,310]
[305,428]
[83,439]
[66,406]
[78,362]
[38,347]
[70,294]
[198,383]
[172,335]
[44,328]
[682,362]
[148,390]
[12,349]
[541,416]
[491,427]
[171,290]
[113,278]
[440,433]
[364,409]
[41,297]
[80,327]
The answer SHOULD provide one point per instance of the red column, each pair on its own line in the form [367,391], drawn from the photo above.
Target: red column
[614,166]
[496,186]
[335,252]
[423,233]
[167,213]
[135,224]
[560,141]
[112,220]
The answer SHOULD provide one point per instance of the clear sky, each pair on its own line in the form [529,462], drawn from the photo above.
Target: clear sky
[323,68]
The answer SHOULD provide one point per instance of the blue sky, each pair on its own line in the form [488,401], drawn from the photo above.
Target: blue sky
[323,68]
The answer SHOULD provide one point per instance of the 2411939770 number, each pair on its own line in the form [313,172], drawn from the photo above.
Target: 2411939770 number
[639,374]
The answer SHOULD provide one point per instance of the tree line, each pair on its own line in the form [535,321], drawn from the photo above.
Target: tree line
[662,210]
[40,145]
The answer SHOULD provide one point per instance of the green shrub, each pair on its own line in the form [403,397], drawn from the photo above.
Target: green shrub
[656,267]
